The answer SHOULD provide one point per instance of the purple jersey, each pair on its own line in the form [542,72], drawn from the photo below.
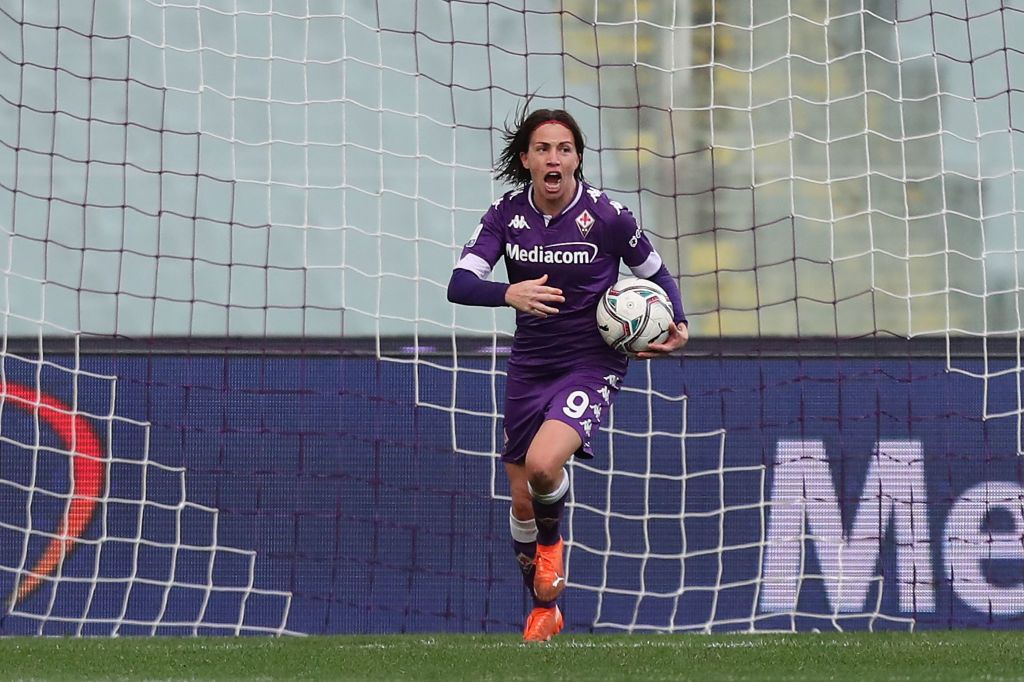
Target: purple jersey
[580,250]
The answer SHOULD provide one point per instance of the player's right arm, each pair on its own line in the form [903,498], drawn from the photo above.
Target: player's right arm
[469,283]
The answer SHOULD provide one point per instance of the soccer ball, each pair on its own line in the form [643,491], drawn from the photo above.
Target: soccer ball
[633,314]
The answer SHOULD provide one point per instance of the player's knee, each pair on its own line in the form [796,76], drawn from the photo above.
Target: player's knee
[545,479]
[541,469]
[540,477]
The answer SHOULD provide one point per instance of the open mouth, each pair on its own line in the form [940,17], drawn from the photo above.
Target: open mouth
[552,181]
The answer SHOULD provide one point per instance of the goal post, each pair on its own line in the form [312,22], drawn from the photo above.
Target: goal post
[236,400]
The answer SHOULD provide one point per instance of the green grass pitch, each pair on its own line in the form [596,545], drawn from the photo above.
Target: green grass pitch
[932,656]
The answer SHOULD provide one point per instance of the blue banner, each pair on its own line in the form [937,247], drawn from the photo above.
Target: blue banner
[171,494]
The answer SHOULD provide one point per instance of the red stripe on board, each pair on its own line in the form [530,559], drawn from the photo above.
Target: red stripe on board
[82,441]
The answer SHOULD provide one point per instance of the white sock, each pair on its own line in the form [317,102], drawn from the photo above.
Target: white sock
[522,531]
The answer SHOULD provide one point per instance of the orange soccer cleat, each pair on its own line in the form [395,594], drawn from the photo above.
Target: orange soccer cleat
[549,581]
[543,624]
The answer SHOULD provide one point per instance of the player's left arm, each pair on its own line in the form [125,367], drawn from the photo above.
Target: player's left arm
[679,333]
[645,262]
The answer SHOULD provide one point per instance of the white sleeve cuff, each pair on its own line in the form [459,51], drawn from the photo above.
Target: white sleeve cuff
[648,267]
[475,264]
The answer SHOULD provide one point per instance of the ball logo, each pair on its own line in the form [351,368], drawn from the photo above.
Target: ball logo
[81,441]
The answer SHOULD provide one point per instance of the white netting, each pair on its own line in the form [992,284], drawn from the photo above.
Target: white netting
[157,563]
[310,169]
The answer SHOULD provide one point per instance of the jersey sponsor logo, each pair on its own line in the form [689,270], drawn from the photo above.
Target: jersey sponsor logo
[568,253]
[584,221]
[519,223]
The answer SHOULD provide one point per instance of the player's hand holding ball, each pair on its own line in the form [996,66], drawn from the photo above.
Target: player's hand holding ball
[678,335]
[635,317]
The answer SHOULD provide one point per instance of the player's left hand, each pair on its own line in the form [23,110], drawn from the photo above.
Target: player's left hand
[678,335]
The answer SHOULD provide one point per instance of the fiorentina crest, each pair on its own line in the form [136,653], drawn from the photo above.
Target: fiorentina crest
[584,221]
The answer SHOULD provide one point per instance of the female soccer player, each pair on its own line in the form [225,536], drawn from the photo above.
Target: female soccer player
[562,241]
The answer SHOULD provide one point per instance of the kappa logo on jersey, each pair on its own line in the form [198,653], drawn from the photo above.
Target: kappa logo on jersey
[510,195]
[595,194]
[584,221]
[617,206]
[518,223]
[568,253]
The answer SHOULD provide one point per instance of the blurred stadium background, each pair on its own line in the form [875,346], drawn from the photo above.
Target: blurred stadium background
[235,399]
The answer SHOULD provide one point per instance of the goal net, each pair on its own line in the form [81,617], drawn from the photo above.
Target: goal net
[235,399]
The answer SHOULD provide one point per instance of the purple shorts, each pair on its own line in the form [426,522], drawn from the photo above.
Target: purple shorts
[580,398]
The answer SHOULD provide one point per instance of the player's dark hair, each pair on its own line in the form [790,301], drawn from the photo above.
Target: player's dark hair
[517,140]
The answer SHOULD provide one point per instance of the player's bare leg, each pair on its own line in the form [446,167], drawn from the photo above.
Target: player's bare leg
[521,524]
[549,451]
[545,619]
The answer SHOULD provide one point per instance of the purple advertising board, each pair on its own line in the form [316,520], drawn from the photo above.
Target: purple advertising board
[176,493]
